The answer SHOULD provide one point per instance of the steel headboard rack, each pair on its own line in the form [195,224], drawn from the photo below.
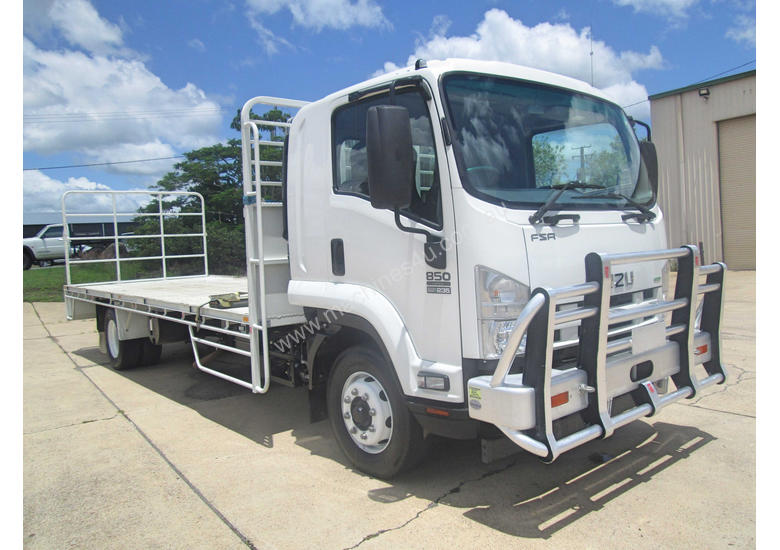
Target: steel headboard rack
[161,214]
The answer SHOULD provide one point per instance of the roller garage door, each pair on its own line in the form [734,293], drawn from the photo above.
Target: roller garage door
[737,157]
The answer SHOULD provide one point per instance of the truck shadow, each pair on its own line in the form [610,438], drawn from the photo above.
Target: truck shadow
[521,496]
[518,495]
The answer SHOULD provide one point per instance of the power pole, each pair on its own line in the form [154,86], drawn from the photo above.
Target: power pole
[581,171]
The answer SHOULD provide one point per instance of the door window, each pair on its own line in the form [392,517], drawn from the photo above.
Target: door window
[350,169]
[52,233]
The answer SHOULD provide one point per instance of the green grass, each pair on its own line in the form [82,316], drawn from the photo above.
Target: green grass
[45,284]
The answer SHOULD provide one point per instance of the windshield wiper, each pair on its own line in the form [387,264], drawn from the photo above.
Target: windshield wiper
[645,214]
[536,217]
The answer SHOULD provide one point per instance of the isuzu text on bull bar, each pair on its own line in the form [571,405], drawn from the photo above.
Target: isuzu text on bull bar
[461,248]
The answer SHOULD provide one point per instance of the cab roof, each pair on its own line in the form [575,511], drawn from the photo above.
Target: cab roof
[436,68]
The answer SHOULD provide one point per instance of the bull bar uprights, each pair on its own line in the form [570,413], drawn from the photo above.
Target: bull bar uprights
[539,319]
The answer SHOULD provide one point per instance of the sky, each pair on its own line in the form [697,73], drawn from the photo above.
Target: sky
[108,81]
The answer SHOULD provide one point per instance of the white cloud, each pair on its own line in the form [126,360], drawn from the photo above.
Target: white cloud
[268,39]
[196,44]
[132,151]
[97,100]
[76,20]
[674,9]
[320,14]
[314,14]
[744,30]
[553,47]
[43,194]
[103,108]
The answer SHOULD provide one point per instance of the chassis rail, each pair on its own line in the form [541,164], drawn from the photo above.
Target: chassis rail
[523,405]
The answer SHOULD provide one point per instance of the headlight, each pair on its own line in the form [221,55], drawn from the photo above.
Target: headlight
[500,301]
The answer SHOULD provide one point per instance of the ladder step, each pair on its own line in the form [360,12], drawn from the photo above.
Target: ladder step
[270,163]
[271,123]
[223,347]
[278,260]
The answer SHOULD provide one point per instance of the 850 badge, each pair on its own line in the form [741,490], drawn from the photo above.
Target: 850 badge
[438,282]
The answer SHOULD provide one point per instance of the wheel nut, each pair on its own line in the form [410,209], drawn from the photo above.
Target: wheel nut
[372,412]
[363,436]
[353,430]
[347,399]
[346,415]
[354,391]
[371,428]
[365,397]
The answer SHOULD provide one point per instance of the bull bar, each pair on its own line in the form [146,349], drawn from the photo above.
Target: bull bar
[520,405]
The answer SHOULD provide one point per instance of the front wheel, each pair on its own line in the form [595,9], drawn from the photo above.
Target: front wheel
[370,420]
[28,260]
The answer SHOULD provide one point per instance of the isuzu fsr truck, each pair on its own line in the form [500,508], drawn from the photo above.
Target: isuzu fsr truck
[460,248]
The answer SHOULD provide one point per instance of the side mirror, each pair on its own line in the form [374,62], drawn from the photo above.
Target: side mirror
[650,160]
[390,161]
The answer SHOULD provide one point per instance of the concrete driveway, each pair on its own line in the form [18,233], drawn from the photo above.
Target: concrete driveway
[169,457]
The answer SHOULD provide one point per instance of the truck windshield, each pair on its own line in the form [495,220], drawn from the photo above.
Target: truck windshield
[515,141]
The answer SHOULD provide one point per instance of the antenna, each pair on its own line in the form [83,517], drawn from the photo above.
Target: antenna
[591,53]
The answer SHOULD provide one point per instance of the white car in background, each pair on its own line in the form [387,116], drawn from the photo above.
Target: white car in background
[46,246]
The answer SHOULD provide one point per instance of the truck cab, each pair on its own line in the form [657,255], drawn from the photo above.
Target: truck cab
[459,248]
[426,205]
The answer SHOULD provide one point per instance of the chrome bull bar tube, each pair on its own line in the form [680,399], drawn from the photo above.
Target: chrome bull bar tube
[521,405]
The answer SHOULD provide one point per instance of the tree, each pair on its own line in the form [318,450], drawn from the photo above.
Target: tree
[214,172]
[549,161]
[608,167]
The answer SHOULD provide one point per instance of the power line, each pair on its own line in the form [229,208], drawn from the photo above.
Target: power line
[80,117]
[637,103]
[126,112]
[102,163]
[130,112]
[724,72]
[700,81]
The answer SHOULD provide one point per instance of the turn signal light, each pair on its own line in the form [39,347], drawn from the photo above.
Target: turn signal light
[701,350]
[559,399]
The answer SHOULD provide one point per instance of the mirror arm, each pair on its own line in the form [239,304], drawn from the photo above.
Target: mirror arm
[645,125]
[409,229]
[435,251]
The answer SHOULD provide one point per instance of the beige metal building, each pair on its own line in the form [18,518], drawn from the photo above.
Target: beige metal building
[705,135]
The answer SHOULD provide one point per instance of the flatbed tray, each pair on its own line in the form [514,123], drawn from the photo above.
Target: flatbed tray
[190,295]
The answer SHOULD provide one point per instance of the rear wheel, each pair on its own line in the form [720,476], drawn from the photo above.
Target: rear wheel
[370,420]
[150,352]
[123,354]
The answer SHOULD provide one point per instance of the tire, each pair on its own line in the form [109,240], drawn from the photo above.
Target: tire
[361,390]
[28,260]
[122,354]
[150,353]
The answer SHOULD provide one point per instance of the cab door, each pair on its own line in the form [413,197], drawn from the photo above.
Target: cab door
[367,246]
[53,245]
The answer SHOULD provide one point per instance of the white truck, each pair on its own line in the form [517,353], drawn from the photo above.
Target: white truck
[45,246]
[462,248]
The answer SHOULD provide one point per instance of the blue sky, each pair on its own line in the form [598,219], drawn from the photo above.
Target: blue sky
[108,81]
